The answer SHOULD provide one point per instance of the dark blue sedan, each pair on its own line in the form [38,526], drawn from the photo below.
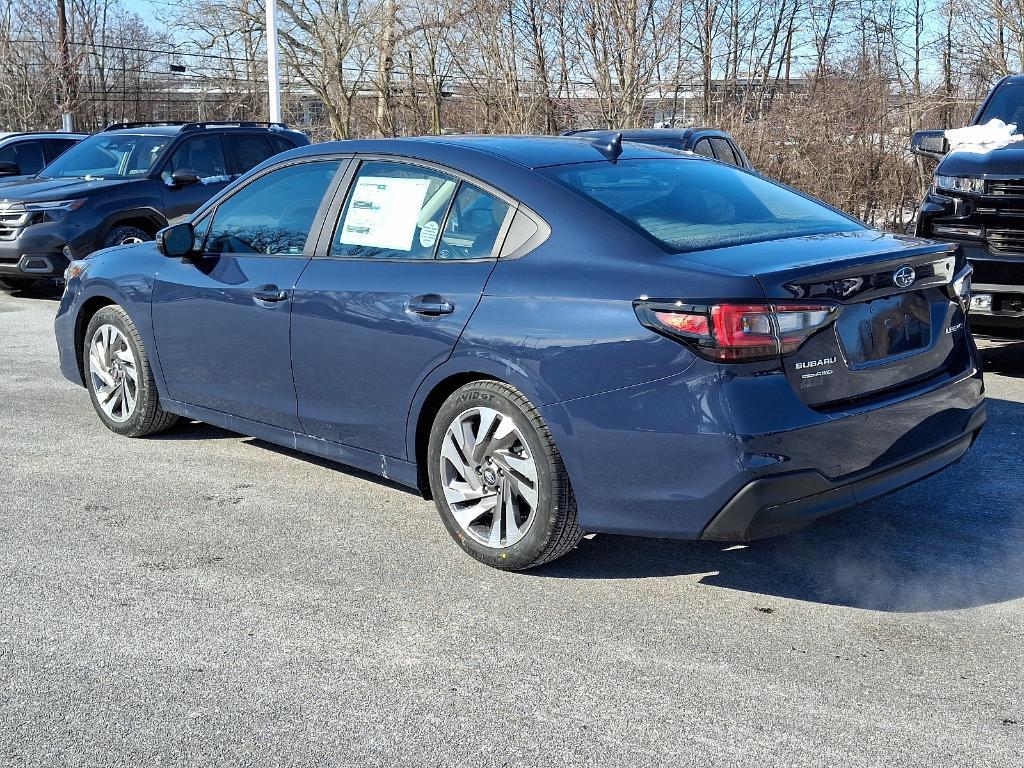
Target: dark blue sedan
[548,336]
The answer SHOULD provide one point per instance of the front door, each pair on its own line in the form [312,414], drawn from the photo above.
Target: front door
[410,253]
[222,317]
[202,155]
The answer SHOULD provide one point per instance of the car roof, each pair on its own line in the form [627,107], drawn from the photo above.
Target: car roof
[527,151]
[42,135]
[650,133]
[173,129]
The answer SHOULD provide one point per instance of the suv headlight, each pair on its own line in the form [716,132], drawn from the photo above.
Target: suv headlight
[55,205]
[960,184]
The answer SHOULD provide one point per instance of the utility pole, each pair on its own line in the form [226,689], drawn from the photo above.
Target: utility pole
[273,76]
[66,75]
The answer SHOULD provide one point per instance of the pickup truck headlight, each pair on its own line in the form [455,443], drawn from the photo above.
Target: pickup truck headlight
[960,184]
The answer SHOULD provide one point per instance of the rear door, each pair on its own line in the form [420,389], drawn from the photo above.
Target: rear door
[405,257]
[222,318]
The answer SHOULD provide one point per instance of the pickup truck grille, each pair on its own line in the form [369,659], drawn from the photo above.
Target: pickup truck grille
[1005,240]
[1008,187]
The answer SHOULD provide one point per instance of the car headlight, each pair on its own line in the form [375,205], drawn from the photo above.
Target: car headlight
[74,269]
[960,184]
[55,205]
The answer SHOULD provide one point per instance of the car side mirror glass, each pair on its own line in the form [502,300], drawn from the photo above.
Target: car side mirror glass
[9,169]
[177,240]
[182,177]
[931,144]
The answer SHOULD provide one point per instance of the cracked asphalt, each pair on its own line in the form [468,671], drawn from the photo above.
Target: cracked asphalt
[205,599]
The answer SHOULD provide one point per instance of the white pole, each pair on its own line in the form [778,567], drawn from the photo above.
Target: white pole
[273,76]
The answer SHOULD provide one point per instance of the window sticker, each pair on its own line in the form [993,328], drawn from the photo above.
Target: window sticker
[428,234]
[383,212]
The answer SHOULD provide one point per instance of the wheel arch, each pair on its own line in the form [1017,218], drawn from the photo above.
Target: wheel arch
[89,308]
[441,382]
[148,220]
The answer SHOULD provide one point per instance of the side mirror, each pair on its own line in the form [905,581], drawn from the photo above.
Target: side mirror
[9,169]
[176,241]
[183,177]
[931,144]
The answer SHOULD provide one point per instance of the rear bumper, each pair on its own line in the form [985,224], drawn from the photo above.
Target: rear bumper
[704,456]
[786,503]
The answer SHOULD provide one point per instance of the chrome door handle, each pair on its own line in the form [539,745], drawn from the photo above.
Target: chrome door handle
[271,294]
[431,305]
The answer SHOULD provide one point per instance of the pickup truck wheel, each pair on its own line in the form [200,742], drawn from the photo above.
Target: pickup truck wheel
[119,378]
[18,283]
[498,479]
[126,236]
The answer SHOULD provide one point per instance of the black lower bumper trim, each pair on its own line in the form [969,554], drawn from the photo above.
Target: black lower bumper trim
[786,503]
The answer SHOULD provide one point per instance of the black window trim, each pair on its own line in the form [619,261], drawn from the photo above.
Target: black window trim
[316,228]
[345,189]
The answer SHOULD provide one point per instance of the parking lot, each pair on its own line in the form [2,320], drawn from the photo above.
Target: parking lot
[207,599]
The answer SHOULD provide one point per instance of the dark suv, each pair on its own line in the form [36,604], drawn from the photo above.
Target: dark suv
[976,200]
[122,185]
[709,142]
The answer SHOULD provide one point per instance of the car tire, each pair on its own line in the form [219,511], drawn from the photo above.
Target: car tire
[119,378]
[126,236]
[18,283]
[492,462]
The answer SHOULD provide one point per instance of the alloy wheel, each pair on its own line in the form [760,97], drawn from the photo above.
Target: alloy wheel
[114,373]
[489,477]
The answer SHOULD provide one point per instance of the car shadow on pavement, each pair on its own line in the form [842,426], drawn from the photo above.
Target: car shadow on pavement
[1003,355]
[46,292]
[954,541]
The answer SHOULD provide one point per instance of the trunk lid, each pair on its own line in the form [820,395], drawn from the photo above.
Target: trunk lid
[900,322]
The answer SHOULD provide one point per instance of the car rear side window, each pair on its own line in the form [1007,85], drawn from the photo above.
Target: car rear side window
[688,205]
[703,147]
[274,214]
[248,151]
[473,225]
[394,211]
[723,151]
[27,154]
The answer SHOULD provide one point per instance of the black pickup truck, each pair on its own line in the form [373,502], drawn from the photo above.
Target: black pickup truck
[977,201]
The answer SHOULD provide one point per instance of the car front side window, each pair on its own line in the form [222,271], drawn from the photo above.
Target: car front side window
[201,155]
[274,214]
[28,155]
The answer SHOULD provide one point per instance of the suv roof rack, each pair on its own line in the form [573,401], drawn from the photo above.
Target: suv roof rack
[194,126]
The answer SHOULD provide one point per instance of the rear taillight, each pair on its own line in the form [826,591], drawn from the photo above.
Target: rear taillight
[737,332]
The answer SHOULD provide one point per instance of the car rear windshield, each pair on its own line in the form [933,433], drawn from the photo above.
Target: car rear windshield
[108,156]
[687,204]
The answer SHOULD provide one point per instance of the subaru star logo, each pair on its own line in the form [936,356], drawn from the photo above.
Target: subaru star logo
[904,277]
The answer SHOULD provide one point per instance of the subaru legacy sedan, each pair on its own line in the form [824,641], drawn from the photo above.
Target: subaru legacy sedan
[545,335]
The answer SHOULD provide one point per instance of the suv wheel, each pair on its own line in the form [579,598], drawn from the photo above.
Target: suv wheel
[119,378]
[126,236]
[18,283]
[498,479]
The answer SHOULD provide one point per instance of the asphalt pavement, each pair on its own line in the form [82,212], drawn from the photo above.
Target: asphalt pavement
[206,599]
